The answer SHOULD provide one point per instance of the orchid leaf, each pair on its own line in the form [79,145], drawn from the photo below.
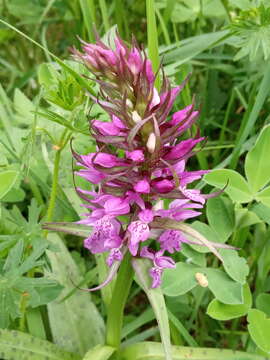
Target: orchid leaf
[99,352]
[69,228]
[71,319]
[17,345]
[156,298]
[153,351]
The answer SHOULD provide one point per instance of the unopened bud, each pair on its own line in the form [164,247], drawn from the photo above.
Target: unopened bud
[136,117]
[151,143]
[56,147]
[202,279]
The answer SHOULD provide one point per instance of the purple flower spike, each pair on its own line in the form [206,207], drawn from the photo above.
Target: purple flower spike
[140,159]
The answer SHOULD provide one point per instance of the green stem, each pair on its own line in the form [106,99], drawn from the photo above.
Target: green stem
[119,298]
[53,194]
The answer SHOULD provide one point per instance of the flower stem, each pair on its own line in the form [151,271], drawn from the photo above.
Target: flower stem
[119,298]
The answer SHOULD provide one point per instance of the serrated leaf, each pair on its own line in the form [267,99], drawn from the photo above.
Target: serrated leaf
[220,311]
[236,186]
[15,345]
[259,329]
[257,166]
[235,266]
[72,320]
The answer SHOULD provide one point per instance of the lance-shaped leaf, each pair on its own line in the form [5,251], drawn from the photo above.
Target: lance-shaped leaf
[69,228]
[156,298]
[153,351]
[15,345]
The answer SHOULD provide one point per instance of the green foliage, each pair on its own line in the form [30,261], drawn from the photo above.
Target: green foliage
[225,44]
[257,172]
[18,345]
[259,329]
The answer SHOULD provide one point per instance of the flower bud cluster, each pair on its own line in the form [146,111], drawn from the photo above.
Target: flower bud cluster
[140,160]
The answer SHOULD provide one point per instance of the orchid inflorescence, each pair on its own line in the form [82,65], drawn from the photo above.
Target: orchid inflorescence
[139,160]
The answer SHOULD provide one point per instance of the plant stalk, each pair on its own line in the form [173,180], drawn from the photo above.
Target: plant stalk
[119,298]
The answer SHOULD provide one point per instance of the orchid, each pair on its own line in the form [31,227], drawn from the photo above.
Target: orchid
[140,159]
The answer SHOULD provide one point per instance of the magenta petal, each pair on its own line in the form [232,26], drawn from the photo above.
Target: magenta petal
[146,253]
[164,262]
[116,206]
[106,128]
[135,155]
[142,186]
[105,160]
[162,186]
[182,149]
[139,232]
[146,216]
[114,255]
[193,194]
[155,273]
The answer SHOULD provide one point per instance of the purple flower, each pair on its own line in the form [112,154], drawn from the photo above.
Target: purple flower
[160,263]
[140,159]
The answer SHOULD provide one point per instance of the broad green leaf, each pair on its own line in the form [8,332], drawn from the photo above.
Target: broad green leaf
[75,323]
[193,256]
[153,351]
[219,311]
[180,280]
[99,352]
[259,329]
[209,233]
[262,211]
[257,165]
[15,345]
[7,180]
[245,218]
[220,215]
[264,196]
[47,75]
[224,289]
[157,301]
[235,266]
[236,186]
[263,303]
[24,107]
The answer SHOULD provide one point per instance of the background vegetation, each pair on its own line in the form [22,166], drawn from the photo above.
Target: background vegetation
[225,44]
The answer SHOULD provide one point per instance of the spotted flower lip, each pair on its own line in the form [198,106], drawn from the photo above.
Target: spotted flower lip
[141,157]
